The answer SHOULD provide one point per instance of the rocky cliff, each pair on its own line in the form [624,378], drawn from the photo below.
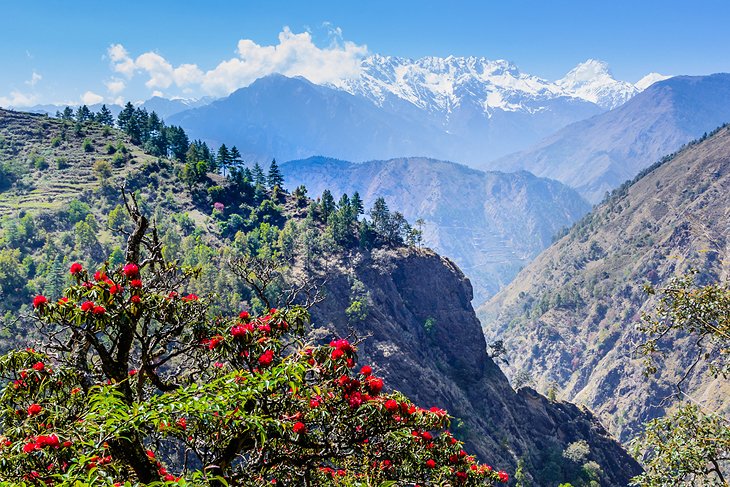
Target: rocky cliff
[425,339]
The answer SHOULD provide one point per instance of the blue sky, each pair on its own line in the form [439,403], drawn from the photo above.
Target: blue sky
[59,51]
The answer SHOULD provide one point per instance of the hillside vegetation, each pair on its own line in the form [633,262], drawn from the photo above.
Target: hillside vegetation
[569,320]
[411,306]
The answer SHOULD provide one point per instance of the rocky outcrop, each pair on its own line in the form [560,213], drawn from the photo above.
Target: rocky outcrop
[426,341]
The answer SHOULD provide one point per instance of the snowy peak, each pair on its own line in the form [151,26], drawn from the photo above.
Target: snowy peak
[440,85]
[649,80]
[592,81]
[443,85]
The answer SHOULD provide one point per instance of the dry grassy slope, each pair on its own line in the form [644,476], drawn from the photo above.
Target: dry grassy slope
[570,316]
[25,136]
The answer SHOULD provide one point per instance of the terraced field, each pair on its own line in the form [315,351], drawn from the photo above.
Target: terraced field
[51,163]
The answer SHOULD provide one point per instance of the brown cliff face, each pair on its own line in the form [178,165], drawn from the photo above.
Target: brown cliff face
[426,341]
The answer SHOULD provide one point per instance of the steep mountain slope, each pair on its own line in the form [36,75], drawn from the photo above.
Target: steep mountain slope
[598,154]
[491,224]
[445,362]
[569,317]
[420,330]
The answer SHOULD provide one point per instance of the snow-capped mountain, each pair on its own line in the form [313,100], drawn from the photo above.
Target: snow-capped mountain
[443,84]
[593,81]
[440,85]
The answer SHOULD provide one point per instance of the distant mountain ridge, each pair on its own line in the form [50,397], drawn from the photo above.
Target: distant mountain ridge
[491,224]
[164,107]
[471,110]
[597,154]
[569,318]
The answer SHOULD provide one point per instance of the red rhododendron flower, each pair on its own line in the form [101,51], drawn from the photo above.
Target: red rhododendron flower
[431,463]
[99,310]
[30,447]
[337,354]
[136,299]
[375,385]
[391,405]
[244,315]
[238,331]
[182,423]
[39,301]
[87,306]
[34,409]
[214,341]
[115,289]
[503,476]
[76,268]
[266,358]
[299,428]
[190,297]
[99,276]
[366,370]
[131,270]
[39,366]
[135,283]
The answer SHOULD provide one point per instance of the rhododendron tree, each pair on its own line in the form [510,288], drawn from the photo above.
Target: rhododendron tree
[139,384]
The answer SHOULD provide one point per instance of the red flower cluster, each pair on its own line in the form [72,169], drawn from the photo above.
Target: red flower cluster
[266,358]
[39,301]
[131,270]
[76,269]
[34,409]
[43,441]
[299,428]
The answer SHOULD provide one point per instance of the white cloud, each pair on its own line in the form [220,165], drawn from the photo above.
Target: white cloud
[91,98]
[121,62]
[158,93]
[18,99]
[115,85]
[35,78]
[294,55]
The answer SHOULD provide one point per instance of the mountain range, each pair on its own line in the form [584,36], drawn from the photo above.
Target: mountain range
[490,223]
[456,108]
[569,318]
[598,154]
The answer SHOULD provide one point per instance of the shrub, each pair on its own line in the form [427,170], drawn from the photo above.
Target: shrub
[87,146]
[246,399]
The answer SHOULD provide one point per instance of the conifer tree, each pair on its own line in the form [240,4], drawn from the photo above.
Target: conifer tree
[236,159]
[275,178]
[105,116]
[224,158]
[259,178]
[326,205]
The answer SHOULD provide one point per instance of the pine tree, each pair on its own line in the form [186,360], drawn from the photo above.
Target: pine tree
[83,114]
[275,178]
[236,159]
[357,204]
[259,178]
[326,205]
[105,116]
[224,158]
[68,114]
